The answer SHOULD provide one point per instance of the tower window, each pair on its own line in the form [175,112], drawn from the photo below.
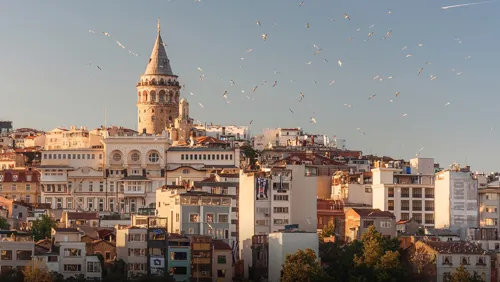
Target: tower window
[152,118]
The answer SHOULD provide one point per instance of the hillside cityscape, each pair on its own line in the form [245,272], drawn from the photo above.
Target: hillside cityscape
[178,199]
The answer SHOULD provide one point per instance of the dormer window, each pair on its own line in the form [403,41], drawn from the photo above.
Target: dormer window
[1,178]
[480,261]
[15,177]
[447,260]
[464,260]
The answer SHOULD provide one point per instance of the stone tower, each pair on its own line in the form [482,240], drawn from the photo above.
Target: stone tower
[158,92]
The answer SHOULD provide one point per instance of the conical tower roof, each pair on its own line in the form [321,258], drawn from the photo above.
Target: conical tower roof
[159,62]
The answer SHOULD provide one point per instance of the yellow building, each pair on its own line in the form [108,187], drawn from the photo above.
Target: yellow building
[20,185]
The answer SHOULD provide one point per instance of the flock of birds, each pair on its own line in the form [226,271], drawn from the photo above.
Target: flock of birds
[317,51]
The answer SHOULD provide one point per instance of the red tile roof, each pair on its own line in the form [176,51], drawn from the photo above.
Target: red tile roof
[8,175]
[82,215]
[210,140]
[457,247]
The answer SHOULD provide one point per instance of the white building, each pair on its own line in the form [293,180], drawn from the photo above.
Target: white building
[456,193]
[135,168]
[73,138]
[451,255]
[407,192]
[288,137]
[283,243]
[270,200]
[73,179]
[225,131]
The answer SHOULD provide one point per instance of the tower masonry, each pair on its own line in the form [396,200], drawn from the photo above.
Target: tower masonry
[158,92]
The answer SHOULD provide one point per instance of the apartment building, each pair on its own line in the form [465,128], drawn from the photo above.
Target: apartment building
[73,259]
[73,179]
[489,209]
[451,255]
[135,167]
[269,200]
[224,184]
[195,212]
[222,266]
[357,222]
[179,258]
[20,185]
[72,138]
[457,195]
[201,258]
[406,190]
[352,188]
[16,250]
[144,245]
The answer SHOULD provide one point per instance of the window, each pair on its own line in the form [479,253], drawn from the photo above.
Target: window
[178,256]
[135,157]
[280,209]
[282,221]
[416,192]
[223,218]
[405,192]
[194,217]
[429,206]
[221,259]
[136,237]
[93,266]
[28,199]
[136,252]
[491,196]
[429,218]
[154,157]
[28,187]
[390,205]
[367,223]
[280,197]
[210,217]
[416,205]
[262,222]
[447,260]
[177,217]
[368,189]
[417,217]
[464,260]
[491,221]
[385,224]
[108,256]
[14,187]
[6,255]
[72,252]
[480,261]
[429,192]
[491,209]
[185,171]
[390,192]
[101,204]
[405,205]
[73,267]
[117,157]
[405,216]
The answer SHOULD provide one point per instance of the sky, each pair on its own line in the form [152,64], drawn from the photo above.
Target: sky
[47,80]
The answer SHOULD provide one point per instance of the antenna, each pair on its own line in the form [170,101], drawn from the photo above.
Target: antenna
[105,119]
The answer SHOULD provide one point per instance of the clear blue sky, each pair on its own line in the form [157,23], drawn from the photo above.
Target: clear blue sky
[46,83]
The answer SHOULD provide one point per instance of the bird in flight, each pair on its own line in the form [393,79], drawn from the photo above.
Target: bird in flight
[347,16]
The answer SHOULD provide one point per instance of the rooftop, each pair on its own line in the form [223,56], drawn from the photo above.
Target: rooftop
[373,213]
[456,247]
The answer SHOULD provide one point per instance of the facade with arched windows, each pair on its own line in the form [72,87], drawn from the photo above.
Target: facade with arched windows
[135,168]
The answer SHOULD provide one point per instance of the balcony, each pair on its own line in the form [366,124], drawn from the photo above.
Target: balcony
[134,191]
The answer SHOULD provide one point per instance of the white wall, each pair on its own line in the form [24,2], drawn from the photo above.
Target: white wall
[303,202]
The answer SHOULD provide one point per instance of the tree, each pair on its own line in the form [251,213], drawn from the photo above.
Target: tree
[421,259]
[38,274]
[302,266]
[379,260]
[12,275]
[4,224]
[462,275]
[328,230]
[251,155]
[42,227]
